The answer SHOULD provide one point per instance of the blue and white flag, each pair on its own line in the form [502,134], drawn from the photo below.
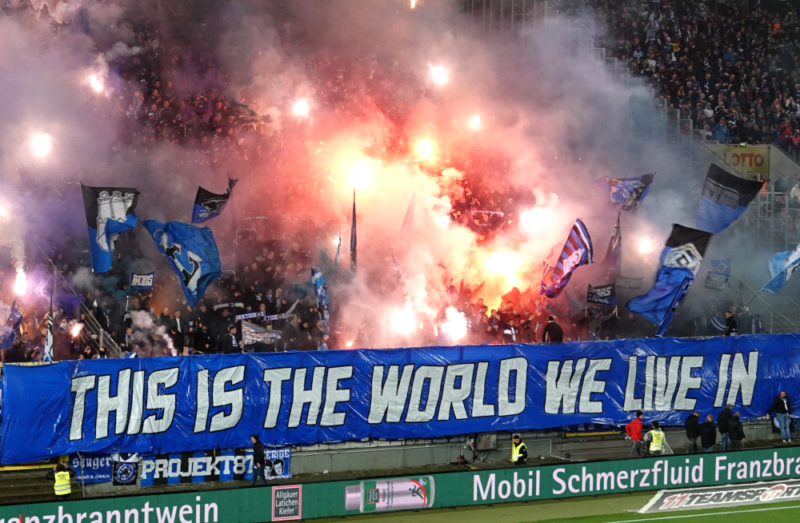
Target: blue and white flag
[320,287]
[110,211]
[577,251]
[143,281]
[721,266]
[725,198]
[781,267]
[48,344]
[680,261]
[628,193]
[192,253]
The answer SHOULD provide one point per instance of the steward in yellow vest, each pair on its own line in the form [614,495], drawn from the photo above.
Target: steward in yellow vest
[519,452]
[656,440]
[62,476]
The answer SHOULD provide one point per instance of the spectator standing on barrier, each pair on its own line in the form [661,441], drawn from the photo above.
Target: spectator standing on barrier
[62,475]
[708,434]
[258,460]
[519,452]
[723,420]
[782,408]
[692,431]
[736,431]
[730,324]
[634,430]
[553,333]
[656,441]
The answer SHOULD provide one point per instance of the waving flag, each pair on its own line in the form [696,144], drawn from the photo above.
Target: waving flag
[320,287]
[781,267]
[721,266]
[192,253]
[725,198]
[628,193]
[613,258]
[577,251]
[680,261]
[109,212]
[208,205]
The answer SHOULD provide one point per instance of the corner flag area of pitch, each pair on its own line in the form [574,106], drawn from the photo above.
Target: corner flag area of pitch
[603,509]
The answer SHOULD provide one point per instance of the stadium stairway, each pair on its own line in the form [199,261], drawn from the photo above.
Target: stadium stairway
[30,486]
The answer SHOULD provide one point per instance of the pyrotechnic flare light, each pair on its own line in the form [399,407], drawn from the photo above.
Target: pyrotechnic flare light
[348,344]
[336,241]
[95,83]
[645,246]
[76,329]
[361,175]
[475,123]
[3,212]
[41,145]
[403,322]
[438,75]
[300,108]
[442,221]
[455,326]
[534,220]
[425,149]
[506,264]
[413,4]
[21,283]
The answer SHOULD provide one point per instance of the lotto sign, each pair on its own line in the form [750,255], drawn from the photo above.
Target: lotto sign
[745,159]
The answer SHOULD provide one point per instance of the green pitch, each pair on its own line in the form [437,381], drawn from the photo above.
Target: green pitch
[602,509]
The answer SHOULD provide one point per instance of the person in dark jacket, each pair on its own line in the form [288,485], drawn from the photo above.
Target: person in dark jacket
[708,434]
[258,460]
[229,345]
[730,324]
[782,408]
[722,424]
[736,432]
[692,431]
[553,333]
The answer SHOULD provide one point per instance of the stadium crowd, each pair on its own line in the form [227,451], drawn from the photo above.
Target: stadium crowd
[733,72]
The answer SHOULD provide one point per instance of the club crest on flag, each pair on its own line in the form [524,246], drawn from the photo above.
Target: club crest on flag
[684,256]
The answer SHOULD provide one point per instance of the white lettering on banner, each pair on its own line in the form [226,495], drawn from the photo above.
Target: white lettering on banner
[137,402]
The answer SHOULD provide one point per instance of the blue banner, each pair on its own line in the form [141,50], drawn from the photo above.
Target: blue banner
[91,468]
[143,281]
[172,404]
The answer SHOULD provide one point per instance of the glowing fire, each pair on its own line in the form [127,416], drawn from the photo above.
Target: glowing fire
[76,329]
[336,242]
[506,264]
[41,145]
[300,108]
[439,74]
[475,122]
[645,246]
[348,344]
[455,324]
[403,322]
[442,221]
[361,175]
[3,212]
[95,83]
[535,220]
[21,283]
[425,149]
[413,4]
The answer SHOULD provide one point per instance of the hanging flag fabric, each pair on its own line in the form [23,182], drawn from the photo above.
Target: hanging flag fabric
[577,251]
[252,333]
[781,267]
[680,261]
[613,258]
[725,198]
[406,230]
[721,266]
[109,212]
[602,294]
[48,344]
[353,237]
[192,253]
[208,205]
[628,193]
[320,287]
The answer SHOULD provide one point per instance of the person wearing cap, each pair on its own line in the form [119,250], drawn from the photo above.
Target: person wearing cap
[258,460]
[519,452]
[553,333]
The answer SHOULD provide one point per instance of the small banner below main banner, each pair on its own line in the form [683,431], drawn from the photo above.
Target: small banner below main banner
[212,465]
[91,468]
[630,283]
[716,281]
[143,281]
[603,294]
[125,468]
